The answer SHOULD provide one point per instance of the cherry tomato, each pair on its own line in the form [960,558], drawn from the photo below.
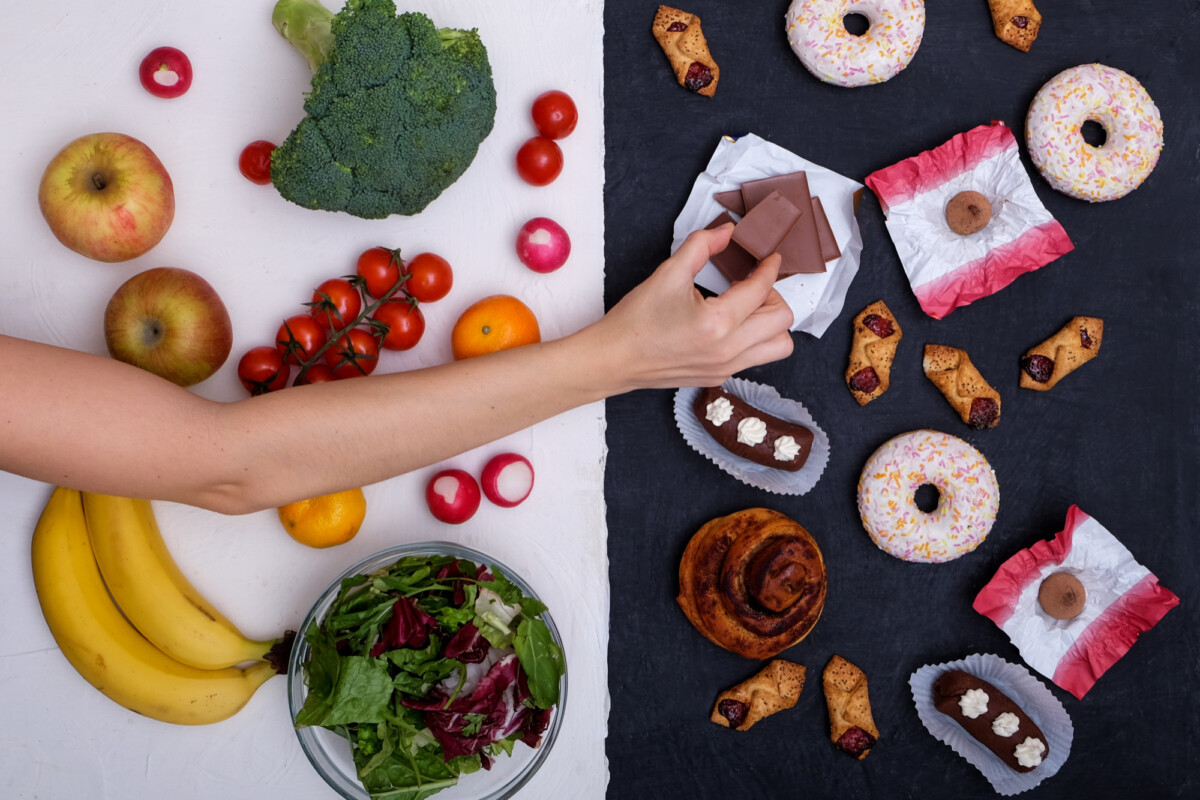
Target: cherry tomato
[554,114]
[405,323]
[429,277]
[539,161]
[379,268]
[299,338]
[255,162]
[317,373]
[262,370]
[336,303]
[355,353]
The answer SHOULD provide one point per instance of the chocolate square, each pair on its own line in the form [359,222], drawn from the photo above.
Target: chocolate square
[803,252]
[767,223]
[829,245]
[733,262]
[731,200]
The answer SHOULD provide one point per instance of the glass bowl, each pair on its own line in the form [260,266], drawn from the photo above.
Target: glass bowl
[329,753]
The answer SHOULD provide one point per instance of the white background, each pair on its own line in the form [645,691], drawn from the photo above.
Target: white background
[69,69]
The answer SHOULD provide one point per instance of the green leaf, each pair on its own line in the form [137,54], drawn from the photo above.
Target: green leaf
[542,660]
[361,694]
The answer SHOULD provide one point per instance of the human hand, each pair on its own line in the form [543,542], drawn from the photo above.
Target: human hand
[665,334]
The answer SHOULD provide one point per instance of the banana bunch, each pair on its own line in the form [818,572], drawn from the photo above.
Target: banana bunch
[130,622]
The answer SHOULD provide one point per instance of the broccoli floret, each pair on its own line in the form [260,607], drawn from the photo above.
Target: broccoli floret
[396,113]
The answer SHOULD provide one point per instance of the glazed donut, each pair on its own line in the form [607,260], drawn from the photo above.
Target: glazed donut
[969,497]
[1132,125]
[816,30]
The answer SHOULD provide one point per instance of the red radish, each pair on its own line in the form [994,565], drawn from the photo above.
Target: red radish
[453,496]
[543,245]
[507,479]
[166,72]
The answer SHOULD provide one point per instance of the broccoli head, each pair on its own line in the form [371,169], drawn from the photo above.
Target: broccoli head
[396,113]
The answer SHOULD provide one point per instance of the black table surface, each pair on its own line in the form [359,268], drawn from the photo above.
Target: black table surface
[1118,438]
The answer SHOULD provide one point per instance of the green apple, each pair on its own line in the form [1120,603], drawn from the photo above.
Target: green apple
[107,196]
[171,322]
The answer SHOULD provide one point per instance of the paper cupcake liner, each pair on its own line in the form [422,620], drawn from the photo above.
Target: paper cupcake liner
[768,400]
[1024,690]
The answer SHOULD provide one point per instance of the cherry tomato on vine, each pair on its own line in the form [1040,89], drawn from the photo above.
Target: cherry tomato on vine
[336,303]
[255,162]
[539,161]
[379,268]
[317,373]
[354,354]
[554,114]
[404,321]
[299,338]
[262,370]
[429,277]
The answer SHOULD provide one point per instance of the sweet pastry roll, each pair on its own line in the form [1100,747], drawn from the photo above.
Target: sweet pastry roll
[1016,22]
[995,721]
[951,371]
[680,36]
[851,726]
[752,582]
[1042,367]
[775,687]
[876,336]
[751,433]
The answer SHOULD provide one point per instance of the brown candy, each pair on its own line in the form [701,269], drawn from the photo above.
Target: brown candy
[968,212]
[1062,595]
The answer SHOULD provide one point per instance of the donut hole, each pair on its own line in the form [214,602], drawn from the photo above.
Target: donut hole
[927,497]
[1093,133]
[856,24]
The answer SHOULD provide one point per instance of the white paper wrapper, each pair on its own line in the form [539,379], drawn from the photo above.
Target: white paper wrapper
[765,399]
[1020,687]
[815,300]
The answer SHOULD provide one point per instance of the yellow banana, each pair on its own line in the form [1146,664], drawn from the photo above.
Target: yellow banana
[101,644]
[154,594]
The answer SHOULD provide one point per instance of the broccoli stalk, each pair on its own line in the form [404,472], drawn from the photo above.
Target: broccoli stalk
[396,112]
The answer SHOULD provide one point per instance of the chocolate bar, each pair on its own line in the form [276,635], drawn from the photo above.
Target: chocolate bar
[731,200]
[829,245]
[802,253]
[766,224]
[733,262]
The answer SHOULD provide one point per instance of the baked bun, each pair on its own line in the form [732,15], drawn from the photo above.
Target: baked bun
[960,383]
[775,687]
[876,336]
[1042,367]
[679,35]
[752,582]
[851,726]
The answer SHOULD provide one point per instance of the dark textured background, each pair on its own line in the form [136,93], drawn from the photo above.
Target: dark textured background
[1118,438]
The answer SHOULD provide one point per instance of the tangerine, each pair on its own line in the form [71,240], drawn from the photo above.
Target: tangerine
[325,521]
[494,323]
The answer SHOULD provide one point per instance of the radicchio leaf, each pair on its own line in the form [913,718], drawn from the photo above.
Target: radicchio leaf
[467,646]
[408,627]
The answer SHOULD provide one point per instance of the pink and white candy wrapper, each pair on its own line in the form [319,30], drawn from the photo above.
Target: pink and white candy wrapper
[1124,600]
[1023,689]
[948,270]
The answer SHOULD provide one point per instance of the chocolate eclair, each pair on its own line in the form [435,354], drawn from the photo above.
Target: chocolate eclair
[992,718]
[750,433]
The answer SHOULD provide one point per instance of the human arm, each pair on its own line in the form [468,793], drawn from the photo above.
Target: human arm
[80,420]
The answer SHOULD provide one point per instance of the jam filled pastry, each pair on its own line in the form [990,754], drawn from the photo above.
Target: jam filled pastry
[680,36]
[964,388]
[1016,22]
[1066,351]
[775,687]
[876,336]
[752,582]
[851,726]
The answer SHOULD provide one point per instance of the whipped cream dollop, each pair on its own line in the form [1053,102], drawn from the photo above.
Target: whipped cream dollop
[1005,724]
[751,431]
[973,703]
[719,411]
[1029,752]
[786,449]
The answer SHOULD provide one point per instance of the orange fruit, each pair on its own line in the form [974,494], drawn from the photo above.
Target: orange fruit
[327,520]
[494,323]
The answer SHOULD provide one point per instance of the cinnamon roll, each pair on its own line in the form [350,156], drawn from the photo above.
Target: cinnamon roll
[753,582]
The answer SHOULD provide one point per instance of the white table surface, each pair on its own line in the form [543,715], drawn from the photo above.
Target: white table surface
[70,68]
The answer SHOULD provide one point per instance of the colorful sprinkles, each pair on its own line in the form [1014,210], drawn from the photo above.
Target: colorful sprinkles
[969,497]
[1132,126]
[816,30]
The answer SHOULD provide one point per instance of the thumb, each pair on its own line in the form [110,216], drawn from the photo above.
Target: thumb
[698,248]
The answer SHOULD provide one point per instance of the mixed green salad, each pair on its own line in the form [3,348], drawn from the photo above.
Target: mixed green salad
[430,668]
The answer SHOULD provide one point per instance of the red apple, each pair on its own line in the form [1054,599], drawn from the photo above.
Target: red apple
[107,196]
[171,322]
